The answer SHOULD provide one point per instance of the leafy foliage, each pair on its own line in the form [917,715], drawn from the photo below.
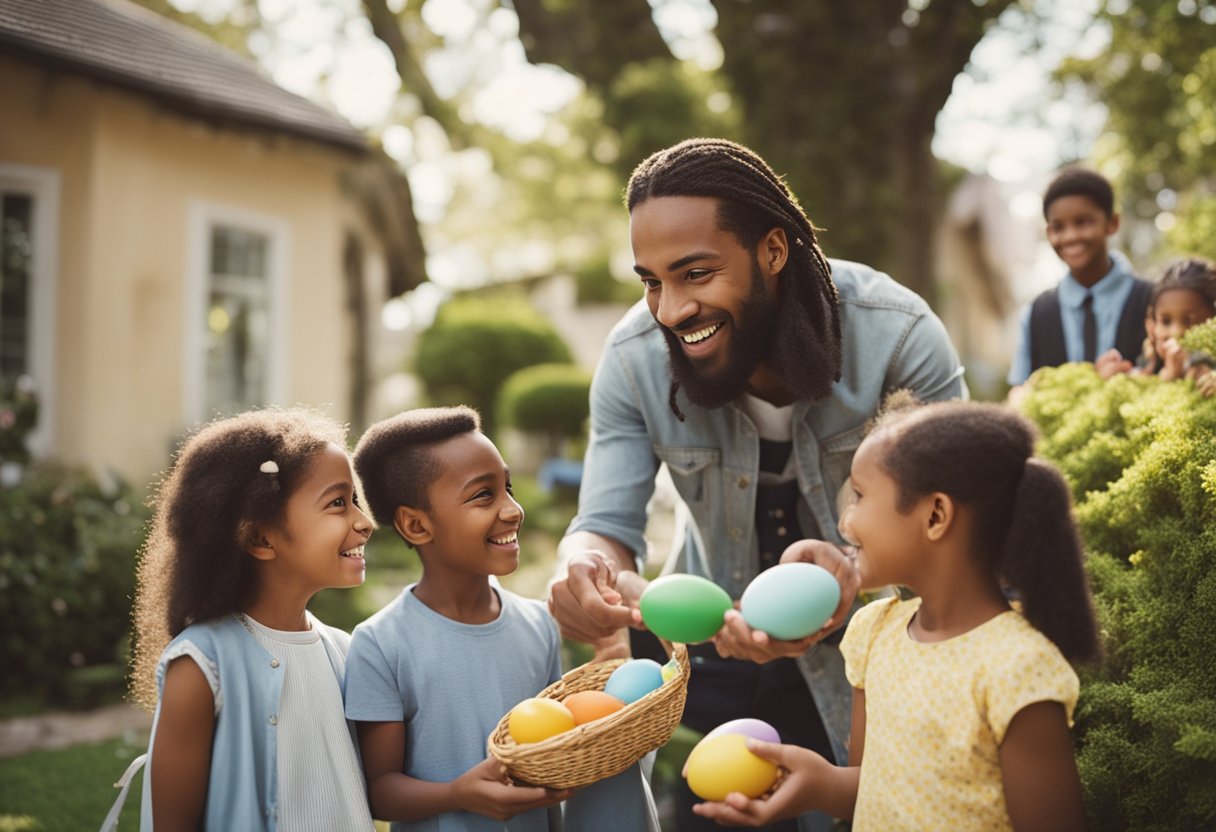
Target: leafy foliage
[1140,454]
[1157,76]
[546,398]
[476,342]
[67,571]
[18,416]
[1201,338]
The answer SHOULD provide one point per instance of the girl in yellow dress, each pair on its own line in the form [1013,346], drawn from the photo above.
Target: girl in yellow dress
[962,700]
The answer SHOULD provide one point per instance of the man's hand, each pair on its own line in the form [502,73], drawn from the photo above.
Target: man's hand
[736,640]
[484,789]
[843,566]
[595,598]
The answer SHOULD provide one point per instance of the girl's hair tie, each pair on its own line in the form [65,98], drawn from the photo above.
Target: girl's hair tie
[269,467]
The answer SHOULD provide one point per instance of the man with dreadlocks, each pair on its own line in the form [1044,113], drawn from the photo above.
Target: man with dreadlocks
[750,370]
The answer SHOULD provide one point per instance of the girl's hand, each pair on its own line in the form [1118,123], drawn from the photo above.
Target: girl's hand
[796,790]
[1173,360]
[484,789]
[1206,384]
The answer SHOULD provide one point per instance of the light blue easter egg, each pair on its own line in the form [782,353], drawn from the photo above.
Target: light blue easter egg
[634,679]
[790,600]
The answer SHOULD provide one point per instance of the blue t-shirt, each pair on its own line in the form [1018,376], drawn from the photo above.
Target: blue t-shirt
[1110,296]
[450,683]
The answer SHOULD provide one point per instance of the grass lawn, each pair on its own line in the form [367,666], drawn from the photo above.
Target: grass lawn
[73,788]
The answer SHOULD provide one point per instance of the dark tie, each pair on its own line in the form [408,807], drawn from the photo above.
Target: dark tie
[1089,327]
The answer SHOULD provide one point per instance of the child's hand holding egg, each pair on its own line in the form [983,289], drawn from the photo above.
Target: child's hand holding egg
[721,762]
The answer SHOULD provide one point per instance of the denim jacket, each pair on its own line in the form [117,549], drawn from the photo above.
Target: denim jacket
[242,786]
[891,340]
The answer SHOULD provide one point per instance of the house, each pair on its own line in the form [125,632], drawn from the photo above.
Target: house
[181,236]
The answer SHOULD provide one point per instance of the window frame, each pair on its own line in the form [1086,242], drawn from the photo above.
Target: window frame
[202,218]
[42,185]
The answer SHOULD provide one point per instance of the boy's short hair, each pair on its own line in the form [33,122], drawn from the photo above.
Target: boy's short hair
[1081,182]
[394,461]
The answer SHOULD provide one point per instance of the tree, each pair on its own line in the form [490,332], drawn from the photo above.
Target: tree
[840,97]
[1157,77]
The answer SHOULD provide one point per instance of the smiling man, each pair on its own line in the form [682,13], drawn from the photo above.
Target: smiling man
[750,369]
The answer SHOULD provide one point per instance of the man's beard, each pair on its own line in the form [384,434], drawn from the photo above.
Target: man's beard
[753,331]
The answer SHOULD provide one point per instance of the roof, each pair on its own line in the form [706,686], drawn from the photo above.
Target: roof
[126,45]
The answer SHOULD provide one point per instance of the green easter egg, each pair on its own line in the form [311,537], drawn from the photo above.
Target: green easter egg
[684,608]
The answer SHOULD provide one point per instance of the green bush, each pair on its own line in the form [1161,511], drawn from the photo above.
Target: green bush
[595,283]
[475,343]
[67,571]
[1140,455]
[18,416]
[546,399]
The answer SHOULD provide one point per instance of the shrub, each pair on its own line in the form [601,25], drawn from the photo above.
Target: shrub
[18,416]
[595,283]
[476,343]
[549,399]
[67,572]
[1140,455]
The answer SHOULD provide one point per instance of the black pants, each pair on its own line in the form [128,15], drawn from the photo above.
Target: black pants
[720,690]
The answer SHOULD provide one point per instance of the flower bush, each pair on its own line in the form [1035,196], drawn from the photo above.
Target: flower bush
[18,416]
[1140,456]
[67,567]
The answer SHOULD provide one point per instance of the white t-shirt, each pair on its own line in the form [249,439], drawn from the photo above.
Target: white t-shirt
[312,734]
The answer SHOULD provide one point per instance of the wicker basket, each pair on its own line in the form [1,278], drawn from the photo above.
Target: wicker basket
[601,748]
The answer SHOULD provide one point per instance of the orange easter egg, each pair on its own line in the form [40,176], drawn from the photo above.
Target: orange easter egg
[589,705]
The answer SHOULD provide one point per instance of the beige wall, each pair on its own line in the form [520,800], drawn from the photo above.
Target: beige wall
[130,172]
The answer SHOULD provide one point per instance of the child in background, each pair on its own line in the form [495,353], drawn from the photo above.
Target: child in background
[258,514]
[1184,296]
[430,674]
[962,704]
[1097,310]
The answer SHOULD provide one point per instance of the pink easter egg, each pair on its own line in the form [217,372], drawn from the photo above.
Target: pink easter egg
[757,729]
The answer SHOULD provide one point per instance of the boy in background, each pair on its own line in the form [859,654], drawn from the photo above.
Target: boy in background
[1096,312]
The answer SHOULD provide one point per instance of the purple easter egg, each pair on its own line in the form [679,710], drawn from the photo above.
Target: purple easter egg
[757,729]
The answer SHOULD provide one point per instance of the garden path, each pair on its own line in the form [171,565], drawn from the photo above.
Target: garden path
[59,730]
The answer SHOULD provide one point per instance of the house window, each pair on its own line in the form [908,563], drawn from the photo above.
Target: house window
[238,320]
[29,216]
[235,344]
[16,256]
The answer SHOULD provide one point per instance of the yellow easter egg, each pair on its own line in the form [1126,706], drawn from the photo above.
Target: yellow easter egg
[722,764]
[538,719]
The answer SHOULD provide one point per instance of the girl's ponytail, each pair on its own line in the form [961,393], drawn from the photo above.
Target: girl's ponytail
[1043,560]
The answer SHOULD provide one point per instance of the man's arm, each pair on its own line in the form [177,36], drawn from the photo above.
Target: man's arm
[595,590]
[927,363]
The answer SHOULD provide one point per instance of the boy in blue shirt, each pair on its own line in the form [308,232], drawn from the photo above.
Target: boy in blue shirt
[1096,313]
[429,675]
